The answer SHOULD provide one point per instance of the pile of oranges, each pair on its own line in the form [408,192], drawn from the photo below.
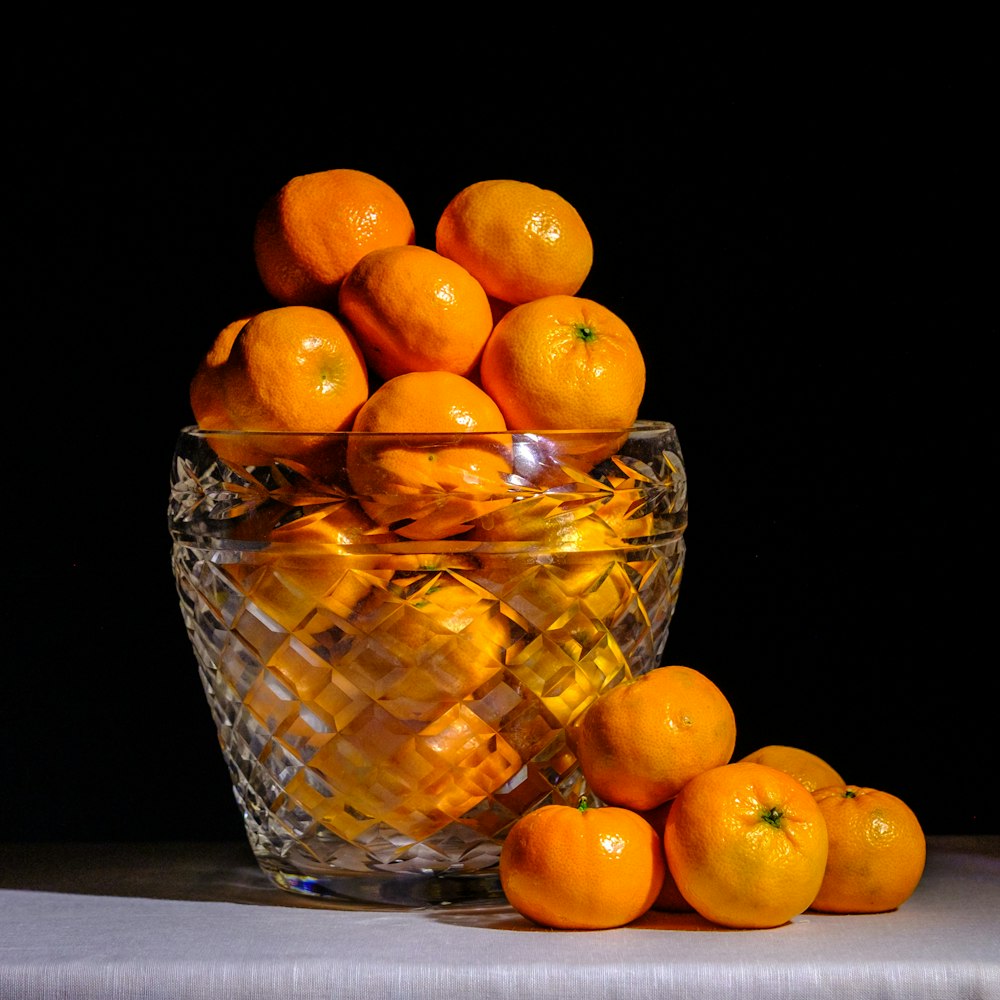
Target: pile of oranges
[371,331]
[682,827]
[486,332]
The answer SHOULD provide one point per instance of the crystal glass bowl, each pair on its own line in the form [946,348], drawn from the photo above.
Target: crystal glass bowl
[397,634]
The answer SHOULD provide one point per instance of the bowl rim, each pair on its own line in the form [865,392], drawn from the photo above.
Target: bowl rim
[639,427]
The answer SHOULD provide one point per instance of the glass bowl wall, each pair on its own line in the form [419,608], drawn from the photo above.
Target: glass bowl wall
[395,673]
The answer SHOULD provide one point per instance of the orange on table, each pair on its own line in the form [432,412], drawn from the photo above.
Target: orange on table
[877,850]
[669,898]
[294,369]
[317,226]
[428,459]
[520,240]
[812,771]
[581,868]
[564,362]
[747,845]
[642,741]
[206,392]
[413,310]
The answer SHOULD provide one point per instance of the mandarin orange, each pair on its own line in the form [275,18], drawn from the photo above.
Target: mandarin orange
[812,771]
[413,310]
[294,369]
[417,778]
[317,226]
[581,868]
[564,362]
[521,241]
[642,741]
[877,850]
[428,459]
[459,629]
[747,845]
[669,898]
[206,391]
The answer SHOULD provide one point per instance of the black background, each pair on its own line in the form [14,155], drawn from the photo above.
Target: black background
[798,243]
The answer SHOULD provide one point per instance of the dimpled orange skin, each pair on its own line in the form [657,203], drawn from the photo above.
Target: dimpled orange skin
[877,850]
[313,230]
[581,869]
[564,362]
[413,310]
[747,845]
[521,241]
[294,369]
[643,740]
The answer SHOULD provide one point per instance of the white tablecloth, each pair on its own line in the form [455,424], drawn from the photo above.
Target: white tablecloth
[198,920]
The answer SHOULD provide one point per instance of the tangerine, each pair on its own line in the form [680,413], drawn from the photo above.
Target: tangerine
[642,741]
[564,362]
[877,850]
[427,460]
[580,868]
[520,240]
[206,390]
[317,226]
[294,369]
[812,771]
[669,898]
[413,310]
[747,845]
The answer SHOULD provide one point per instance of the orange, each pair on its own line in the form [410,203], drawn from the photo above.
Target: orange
[580,559]
[206,386]
[521,241]
[580,868]
[877,850]
[435,639]
[669,898]
[812,771]
[564,362]
[642,741]
[746,845]
[417,778]
[317,226]
[427,459]
[413,310]
[294,369]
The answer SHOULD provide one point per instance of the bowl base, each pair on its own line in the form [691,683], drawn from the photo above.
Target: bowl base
[392,890]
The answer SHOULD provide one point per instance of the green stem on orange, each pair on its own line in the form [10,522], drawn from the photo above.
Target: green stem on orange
[772,816]
[583,805]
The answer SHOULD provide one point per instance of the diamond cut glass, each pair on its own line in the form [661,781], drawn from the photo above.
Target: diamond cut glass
[395,677]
